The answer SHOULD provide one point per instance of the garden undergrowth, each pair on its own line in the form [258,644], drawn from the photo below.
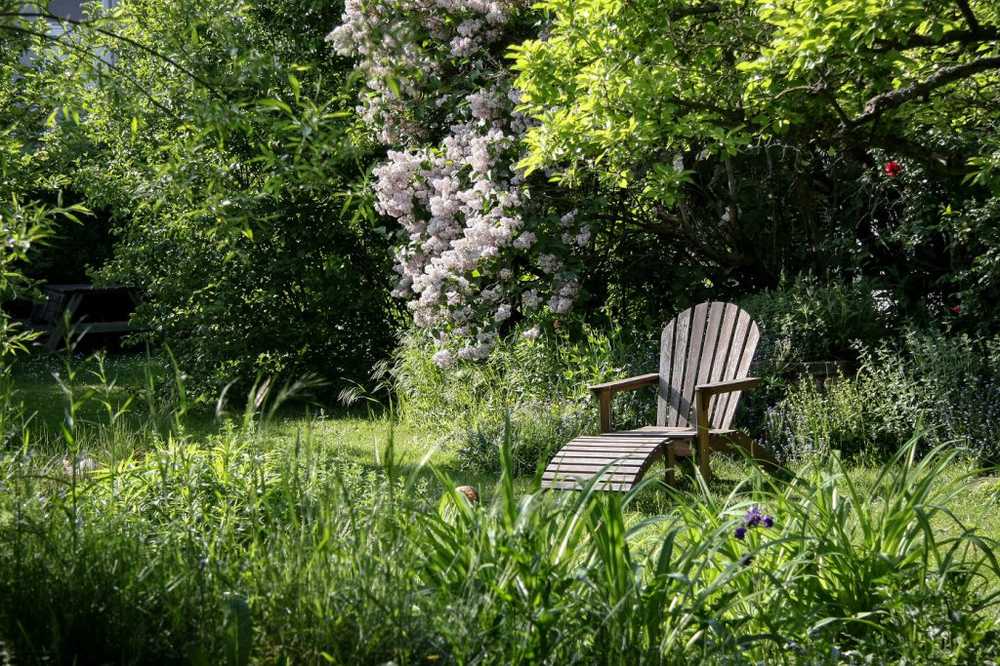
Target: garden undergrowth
[266,542]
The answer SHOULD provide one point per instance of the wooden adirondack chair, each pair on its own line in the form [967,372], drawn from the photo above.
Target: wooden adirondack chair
[705,355]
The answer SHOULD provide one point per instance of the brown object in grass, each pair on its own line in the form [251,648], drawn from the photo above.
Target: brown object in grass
[470,493]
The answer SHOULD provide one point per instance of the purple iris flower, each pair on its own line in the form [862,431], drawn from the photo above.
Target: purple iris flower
[740,532]
[768,521]
[753,517]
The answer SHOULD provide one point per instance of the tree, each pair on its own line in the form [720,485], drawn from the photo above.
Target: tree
[757,135]
[221,139]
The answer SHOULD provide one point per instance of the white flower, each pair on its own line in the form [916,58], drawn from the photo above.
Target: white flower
[550,263]
[443,359]
[532,333]
[560,304]
[531,299]
[524,241]
[461,203]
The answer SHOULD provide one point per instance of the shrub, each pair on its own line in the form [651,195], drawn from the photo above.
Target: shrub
[806,319]
[539,386]
[224,149]
[941,386]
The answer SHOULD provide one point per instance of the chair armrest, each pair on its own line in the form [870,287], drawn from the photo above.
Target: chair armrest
[627,384]
[713,388]
[604,391]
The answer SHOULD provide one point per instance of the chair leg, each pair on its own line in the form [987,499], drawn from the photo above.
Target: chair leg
[704,448]
[670,475]
[703,461]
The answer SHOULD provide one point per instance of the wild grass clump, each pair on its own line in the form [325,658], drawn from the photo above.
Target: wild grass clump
[947,386]
[241,548]
[537,386]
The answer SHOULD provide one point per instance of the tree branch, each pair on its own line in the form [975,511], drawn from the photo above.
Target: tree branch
[710,8]
[883,102]
[913,41]
[970,18]
[96,57]
[90,24]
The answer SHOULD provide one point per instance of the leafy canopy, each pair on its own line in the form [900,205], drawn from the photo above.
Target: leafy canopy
[618,87]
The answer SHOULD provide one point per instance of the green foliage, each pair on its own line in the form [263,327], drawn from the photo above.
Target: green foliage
[243,549]
[615,80]
[618,82]
[533,390]
[221,142]
[940,387]
[805,319]
[31,201]
[738,142]
[917,66]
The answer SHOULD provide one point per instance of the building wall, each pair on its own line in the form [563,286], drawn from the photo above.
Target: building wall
[72,9]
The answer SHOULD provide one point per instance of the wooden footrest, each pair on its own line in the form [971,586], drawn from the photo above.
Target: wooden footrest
[619,459]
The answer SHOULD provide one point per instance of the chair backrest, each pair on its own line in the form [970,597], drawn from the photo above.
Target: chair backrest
[710,342]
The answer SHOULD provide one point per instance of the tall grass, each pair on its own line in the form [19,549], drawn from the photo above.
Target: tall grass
[241,548]
[535,389]
[948,387]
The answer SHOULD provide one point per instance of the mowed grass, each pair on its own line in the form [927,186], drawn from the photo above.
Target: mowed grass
[358,435]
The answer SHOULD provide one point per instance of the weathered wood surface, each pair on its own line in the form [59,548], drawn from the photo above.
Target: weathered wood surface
[705,356]
[606,391]
[619,460]
[711,342]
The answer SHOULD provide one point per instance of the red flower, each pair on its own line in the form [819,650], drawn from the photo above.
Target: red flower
[893,168]
[956,309]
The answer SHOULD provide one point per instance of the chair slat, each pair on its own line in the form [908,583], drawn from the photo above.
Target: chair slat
[698,320]
[617,450]
[743,369]
[663,394]
[723,346]
[716,311]
[740,333]
[576,485]
[616,456]
[590,467]
[600,453]
[675,362]
[624,477]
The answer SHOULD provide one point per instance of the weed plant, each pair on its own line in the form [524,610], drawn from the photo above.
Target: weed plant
[535,389]
[948,386]
[243,549]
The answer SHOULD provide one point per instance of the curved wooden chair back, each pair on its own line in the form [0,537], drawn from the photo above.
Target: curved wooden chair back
[711,342]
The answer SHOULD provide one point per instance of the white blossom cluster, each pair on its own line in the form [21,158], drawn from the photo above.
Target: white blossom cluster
[408,51]
[475,250]
[14,239]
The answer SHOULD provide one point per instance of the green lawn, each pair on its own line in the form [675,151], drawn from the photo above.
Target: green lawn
[293,539]
[355,436]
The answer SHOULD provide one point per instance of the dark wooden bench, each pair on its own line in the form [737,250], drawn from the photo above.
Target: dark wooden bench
[88,309]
